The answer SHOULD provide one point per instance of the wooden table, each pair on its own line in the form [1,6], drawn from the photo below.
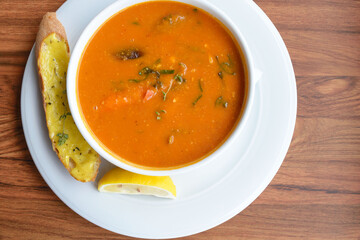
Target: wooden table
[316,193]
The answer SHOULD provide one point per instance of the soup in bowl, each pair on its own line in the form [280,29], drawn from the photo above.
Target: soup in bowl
[160,87]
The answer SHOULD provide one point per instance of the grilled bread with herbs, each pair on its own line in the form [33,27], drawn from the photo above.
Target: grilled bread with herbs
[52,53]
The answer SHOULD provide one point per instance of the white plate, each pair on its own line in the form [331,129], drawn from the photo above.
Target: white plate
[207,197]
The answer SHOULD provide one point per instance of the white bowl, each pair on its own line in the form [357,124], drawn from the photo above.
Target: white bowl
[72,84]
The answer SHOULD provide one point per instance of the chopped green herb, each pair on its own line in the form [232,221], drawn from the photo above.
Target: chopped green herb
[195,9]
[157,74]
[146,71]
[201,89]
[157,61]
[167,71]
[136,23]
[158,117]
[157,84]
[221,101]
[62,138]
[220,74]
[218,100]
[226,66]
[135,80]
[197,99]
[64,115]
[179,78]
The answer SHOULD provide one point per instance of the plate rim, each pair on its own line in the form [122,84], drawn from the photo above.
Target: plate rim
[241,206]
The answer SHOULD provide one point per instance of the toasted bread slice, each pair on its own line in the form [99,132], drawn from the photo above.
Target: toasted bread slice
[52,52]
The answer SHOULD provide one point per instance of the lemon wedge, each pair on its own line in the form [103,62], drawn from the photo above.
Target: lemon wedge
[118,180]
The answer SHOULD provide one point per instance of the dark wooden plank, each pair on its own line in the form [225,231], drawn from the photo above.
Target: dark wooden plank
[323,37]
[335,97]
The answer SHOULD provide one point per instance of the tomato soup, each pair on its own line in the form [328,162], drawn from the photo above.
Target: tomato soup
[161,85]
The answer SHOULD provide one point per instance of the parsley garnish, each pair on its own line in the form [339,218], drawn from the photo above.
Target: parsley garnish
[65,115]
[146,71]
[201,89]
[62,138]
[221,101]
[135,80]
[225,66]
[197,99]
[167,71]
[220,74]
[179,78]
[158,114]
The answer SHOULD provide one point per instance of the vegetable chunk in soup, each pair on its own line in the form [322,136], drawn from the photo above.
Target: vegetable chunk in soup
[161,84]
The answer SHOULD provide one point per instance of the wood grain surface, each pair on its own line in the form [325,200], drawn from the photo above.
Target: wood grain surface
[316,193]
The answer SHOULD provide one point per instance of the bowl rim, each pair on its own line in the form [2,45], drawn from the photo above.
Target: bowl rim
[88,33]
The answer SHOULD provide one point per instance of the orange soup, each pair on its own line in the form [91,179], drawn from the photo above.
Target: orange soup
[161,85]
